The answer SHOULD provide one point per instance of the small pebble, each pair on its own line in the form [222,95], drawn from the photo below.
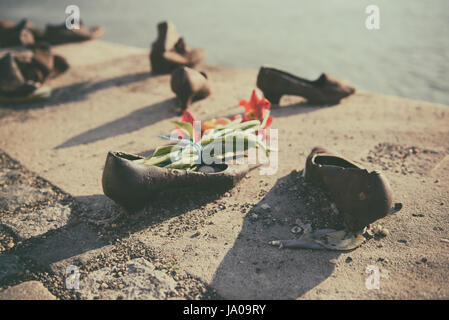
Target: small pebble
[380,231]
[307,228]
[296,229]
[385,232]
[196,234]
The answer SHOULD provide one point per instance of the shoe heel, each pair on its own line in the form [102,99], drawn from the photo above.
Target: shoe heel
[274,98]
[184,103]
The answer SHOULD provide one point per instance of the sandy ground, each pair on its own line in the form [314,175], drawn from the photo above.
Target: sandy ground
[109,100]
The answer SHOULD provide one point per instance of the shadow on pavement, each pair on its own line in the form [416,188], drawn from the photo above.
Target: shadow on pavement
[132,122]
[253,269]
[79,91]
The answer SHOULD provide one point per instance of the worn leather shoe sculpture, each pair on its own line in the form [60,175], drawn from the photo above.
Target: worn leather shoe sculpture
[189,85]
[132,185]
[275,83]
[22,74]
[362,197]
[20,34]
[25,33]
[44,64]
[58,34]
[169,51]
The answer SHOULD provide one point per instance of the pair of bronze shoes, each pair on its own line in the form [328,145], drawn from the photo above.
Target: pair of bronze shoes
[326,90]
[362,197]
[23,74]
[170,54]
[190,85]
[24,33]
[170,51]
[21,34]
[59,34]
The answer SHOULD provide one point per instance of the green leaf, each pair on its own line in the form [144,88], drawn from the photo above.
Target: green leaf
[229,142]
[158,154]
[266,115]
[160,151]
[248,124]
[154,161]
[181,164]
[264,148]
[186,127]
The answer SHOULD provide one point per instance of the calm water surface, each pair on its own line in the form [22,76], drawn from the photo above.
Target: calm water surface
[407,57]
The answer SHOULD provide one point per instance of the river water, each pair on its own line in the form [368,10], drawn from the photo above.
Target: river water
[408,56]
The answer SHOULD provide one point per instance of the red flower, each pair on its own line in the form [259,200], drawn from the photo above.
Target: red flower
[205,125]
[187,117]
[256,109]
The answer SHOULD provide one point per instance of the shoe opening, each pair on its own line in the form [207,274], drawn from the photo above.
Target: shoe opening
[214,168]
[333,161]
[127,156]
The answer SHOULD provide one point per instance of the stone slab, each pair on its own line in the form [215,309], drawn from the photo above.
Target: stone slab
[30,290]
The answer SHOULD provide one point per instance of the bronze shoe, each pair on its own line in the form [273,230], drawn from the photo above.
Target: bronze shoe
[20,34]
[275,83]
[362,197]
[49,64]
[12,81]
[170,51]
[133,185]
[189,85]
[59,34]
[22,74]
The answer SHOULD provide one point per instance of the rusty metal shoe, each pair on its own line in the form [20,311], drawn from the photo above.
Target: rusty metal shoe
[59,34]
[12,81]
[49,65]
[22,74]
[170,51]
[362,197]
[275,83]
[20,34]
[189,85]
[133,185]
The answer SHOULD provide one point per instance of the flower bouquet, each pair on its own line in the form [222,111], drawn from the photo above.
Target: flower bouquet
[200,160]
